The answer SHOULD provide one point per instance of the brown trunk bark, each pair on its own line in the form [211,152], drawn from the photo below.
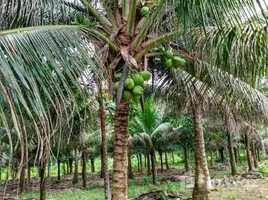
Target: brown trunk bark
[212,162]
[58,163]
[43,180]
[48,169]
[71,166]
[130,170]
[258,153]
[75,178]
[166,161]
[92,163]
[84,168]
[119,186]
[161,161]
[22,174]
[235,154]
[232,155]
[154,173]
[138,160]
[249,158]
[254,154]
[149,172]
[202,177]
[28,176]
[221,151]
[68,167]
[22,179]
[186,159]
[140,157]
[104,154]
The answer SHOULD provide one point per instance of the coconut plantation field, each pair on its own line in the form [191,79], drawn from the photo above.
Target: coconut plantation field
[133,99]
[173,181]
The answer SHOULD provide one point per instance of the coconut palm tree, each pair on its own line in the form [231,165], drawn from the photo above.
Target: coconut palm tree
[128,37]
[149,129]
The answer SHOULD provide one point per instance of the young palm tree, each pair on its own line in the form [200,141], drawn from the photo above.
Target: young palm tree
[149,129]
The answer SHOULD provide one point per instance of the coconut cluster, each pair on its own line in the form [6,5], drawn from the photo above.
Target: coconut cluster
[168,58]
[133,86]
[81,20]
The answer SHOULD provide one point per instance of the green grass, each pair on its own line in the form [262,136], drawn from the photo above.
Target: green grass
[136,187]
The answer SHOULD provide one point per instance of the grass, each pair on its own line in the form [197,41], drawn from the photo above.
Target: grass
[136,187]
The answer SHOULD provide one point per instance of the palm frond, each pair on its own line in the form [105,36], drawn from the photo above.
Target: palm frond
[40,76]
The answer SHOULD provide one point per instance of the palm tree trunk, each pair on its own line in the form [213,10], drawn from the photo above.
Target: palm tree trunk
[249,158]
[92,163]
[71,165]
[154,173]
[186,159]
[145,161]
[104,154]
[235,154]
[43,179]
[138,160]
[202,177]
[119,186]
[68,167]
[48,169]
[212,162]
[22,179]
[140,157]
[258,153]
[84,168]
[75,178]
[22,174]
[130,170]
[166,161]
[29,176]
[148,165]
[221,151]
[161,161]
[254,154]
[231,155]
[58,169]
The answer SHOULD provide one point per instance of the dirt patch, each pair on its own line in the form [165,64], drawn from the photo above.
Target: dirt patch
[247,190]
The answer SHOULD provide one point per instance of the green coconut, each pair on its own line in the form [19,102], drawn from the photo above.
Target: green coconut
[138,79]
[178,61]
[136,97]
[162,49]
[137,91]
[116,85]
[169,54]
[79,18]
[129,83]
[168,63]
[117,76]
[126,95]
[86,22]
[146,75]
[145,11]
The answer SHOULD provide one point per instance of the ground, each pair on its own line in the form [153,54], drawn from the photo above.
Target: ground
[173,180]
